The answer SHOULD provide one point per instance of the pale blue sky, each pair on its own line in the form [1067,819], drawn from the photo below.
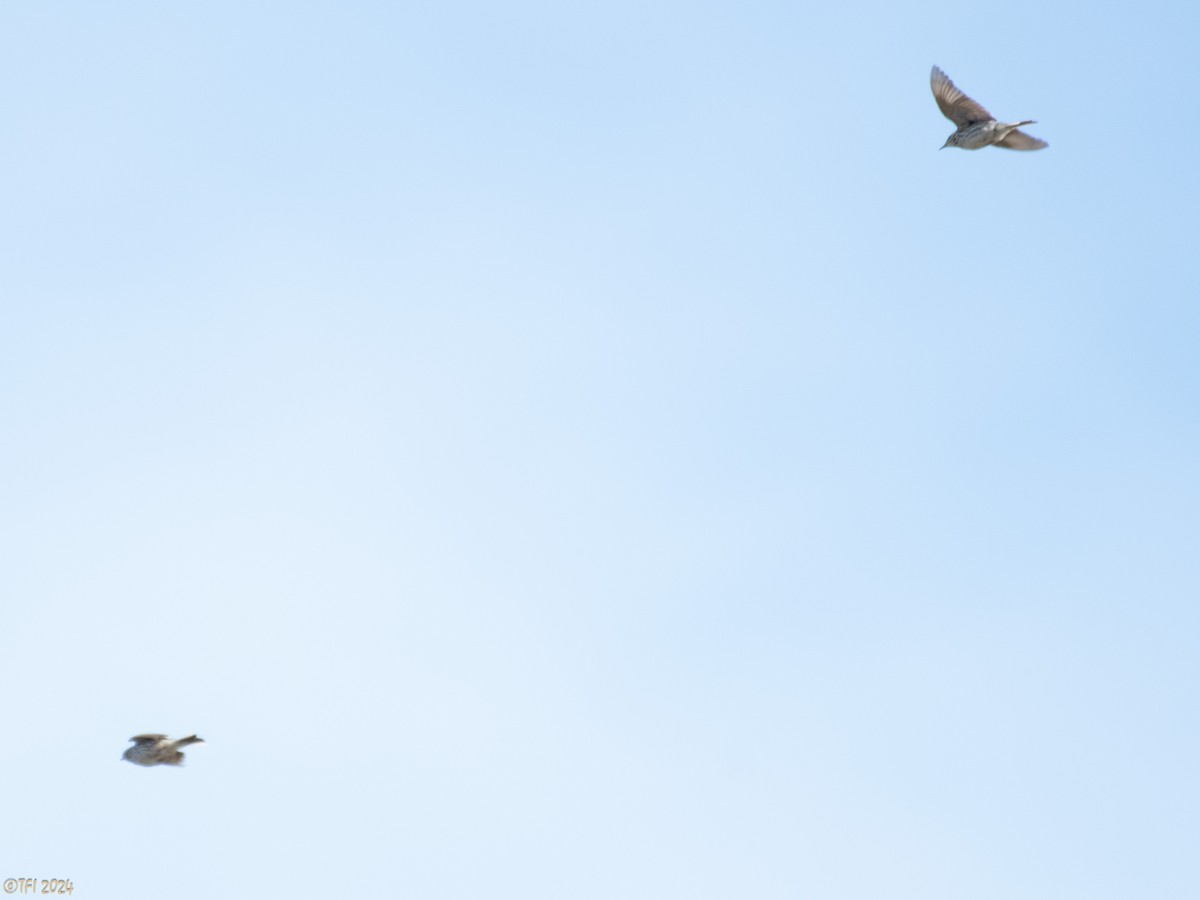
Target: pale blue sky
[599,450]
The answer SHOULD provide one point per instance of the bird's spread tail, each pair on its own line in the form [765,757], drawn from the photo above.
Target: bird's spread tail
[190,739]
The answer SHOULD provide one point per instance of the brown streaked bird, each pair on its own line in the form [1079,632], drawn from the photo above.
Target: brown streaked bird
[976,126]
[158,749]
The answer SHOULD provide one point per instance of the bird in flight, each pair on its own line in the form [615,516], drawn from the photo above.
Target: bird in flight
[976,126]
[158,749]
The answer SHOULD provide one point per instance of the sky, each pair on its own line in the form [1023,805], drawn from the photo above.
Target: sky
[599,450]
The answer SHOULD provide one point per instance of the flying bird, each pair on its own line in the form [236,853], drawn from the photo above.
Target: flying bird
[976,126]
[158,749]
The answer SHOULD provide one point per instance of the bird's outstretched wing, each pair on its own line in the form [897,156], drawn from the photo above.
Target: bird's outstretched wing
[148,738]
[1019,140]
[954,104]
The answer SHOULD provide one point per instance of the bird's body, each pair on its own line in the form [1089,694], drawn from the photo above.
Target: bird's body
[976,126]
[158,749]
[984,134]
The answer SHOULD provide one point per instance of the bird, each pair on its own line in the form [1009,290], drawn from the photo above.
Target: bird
[976,126]
[158,749]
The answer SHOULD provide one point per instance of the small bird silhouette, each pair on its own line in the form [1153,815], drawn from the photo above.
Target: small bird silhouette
[976,126]
[158,749]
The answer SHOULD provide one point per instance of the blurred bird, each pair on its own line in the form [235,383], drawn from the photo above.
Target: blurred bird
[976,126]
[158,749]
